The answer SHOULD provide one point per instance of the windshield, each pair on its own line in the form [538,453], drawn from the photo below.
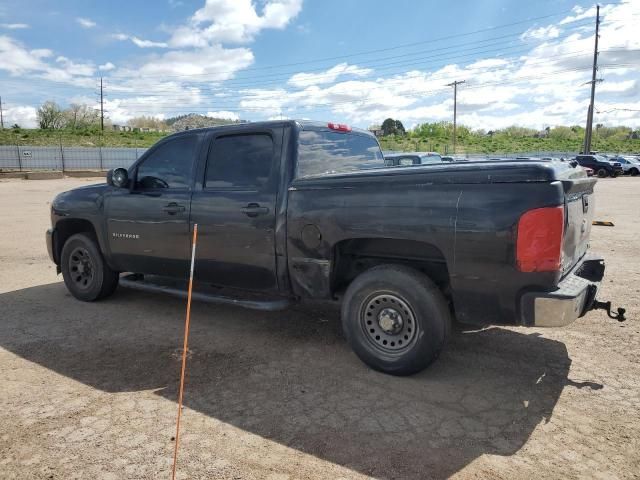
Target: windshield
[323,152]
[434,158]
[600,158]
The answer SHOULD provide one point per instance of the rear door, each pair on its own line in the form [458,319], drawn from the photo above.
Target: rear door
[148,224]
[234,207]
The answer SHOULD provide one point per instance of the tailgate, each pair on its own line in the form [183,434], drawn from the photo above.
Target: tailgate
[579,211]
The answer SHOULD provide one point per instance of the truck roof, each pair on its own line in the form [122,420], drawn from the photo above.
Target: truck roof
[300,124]
[418,154]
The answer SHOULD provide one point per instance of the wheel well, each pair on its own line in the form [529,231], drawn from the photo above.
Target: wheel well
[67,227]
[352,257]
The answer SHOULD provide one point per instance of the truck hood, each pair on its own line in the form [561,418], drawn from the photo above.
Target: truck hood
[79,198]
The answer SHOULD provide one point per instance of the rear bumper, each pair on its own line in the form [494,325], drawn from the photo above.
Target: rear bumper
[572,299]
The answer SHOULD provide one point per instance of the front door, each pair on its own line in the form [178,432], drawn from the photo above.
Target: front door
[148,224]
[235,211]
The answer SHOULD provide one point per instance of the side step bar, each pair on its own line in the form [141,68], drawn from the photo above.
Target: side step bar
[138,282]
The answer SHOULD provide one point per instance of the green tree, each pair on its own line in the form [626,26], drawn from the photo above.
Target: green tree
[80,116]
[50,116]
[388,127]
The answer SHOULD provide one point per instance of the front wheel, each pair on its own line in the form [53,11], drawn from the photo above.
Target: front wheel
[602,173]
[85,273]
[395,319]
[634,172]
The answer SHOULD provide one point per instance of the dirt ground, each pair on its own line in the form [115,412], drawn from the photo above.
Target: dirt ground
[89,390]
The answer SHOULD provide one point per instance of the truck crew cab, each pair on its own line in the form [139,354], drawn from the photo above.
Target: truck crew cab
[289,210]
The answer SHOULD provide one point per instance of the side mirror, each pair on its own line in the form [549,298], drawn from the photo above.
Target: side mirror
[118,177]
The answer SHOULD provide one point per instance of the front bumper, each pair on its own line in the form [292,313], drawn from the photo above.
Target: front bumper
[573,298]
[50,238]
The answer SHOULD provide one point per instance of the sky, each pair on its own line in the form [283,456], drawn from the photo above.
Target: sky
[349,61]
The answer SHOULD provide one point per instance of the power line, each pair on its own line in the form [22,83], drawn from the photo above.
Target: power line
[360,101]
[368,52]
[151,92]
[475,50]
[618,110]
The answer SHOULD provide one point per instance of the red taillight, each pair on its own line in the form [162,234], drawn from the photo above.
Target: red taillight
[539,242]
[340,127]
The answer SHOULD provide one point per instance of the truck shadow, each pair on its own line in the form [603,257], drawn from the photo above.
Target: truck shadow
[290,377]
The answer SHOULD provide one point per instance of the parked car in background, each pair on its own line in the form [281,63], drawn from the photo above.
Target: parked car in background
[411,158]
[600,165]
[630,165]
[449,158]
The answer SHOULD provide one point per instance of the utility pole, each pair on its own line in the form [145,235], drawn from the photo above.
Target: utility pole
[589,129]
[1,117]
[455,108]
[101,107]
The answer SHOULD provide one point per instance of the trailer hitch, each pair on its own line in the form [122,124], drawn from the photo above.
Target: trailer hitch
[596,305]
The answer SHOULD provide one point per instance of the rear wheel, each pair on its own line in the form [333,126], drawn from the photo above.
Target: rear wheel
[395,319]
[85,273]
[602,173]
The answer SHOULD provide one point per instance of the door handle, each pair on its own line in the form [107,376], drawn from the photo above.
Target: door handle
[254,209]
[173,208]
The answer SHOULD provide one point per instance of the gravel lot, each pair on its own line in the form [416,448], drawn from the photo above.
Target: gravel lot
[89,390]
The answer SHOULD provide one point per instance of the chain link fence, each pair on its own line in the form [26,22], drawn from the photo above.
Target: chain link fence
[26,158]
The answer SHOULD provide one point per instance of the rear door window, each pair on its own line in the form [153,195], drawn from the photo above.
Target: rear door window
[239,161]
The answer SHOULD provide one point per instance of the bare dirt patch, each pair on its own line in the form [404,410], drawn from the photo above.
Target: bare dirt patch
[89,390]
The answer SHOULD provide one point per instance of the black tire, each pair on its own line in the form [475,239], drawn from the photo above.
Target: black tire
[634,172]
[602,173]
[420,319]
[85,273]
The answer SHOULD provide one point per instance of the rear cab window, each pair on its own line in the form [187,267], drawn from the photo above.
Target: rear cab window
[325,152]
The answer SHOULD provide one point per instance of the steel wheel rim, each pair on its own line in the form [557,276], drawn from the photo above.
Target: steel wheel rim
[388,322]
[81,268]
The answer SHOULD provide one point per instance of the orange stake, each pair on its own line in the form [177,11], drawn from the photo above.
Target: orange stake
[184,349]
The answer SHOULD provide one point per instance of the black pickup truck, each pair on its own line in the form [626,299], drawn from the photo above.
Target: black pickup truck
[289,210]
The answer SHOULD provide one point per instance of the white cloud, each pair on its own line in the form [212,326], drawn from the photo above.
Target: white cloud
[328,76]
[148,43]
[233,21]
[19,61]
[14,26]
[213,63]
[85,22]
[227,115]
[543,87]
[541,33]
[16,59]
[106,67]
[23,115]
[621,88]
[82,69]
[139,41]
